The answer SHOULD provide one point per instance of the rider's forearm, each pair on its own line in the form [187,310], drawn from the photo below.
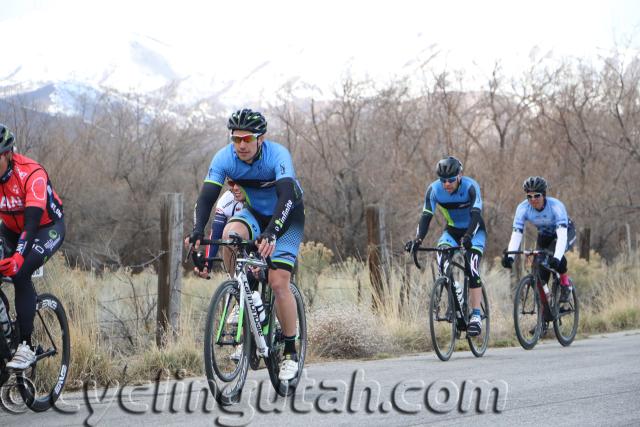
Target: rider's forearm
[423,227]
[208,196]
[32,216]
[514,243]
[287,198]
[219,221]
[561,243]
[476,218]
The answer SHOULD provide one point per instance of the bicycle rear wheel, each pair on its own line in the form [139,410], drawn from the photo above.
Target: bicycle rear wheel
[478,345]
[566,323]
[275,341]
[442,325]
[41,384]
[527,316]
[226,343]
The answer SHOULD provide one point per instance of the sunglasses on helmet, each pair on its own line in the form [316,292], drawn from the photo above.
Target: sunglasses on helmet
[237,139]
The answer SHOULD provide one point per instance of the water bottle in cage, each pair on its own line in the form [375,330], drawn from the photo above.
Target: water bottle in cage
[458,290]
[257,301]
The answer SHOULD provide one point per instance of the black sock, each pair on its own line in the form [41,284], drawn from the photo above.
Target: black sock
[290,345]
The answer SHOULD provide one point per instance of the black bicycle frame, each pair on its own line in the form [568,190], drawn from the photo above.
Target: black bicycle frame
[460,306]
[538,264]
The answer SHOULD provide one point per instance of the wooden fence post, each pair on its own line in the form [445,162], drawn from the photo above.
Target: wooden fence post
[627,229]
[170,269]
[585,243]
[375,253]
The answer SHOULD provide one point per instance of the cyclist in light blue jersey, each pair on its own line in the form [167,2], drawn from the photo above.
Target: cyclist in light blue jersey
[555,229]
[273,212]
[459,200]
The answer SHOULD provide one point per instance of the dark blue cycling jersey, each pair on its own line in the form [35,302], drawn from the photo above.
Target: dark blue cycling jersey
[258,178]
[455,207]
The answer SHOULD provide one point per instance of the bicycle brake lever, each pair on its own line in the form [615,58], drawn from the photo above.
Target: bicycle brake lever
[270,263]
[415,260]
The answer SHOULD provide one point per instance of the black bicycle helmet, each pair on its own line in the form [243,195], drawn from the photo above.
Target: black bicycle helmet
[449,167]
[249,120]
[6,139]
[535,184]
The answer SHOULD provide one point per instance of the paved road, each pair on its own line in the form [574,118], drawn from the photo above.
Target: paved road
[596,381]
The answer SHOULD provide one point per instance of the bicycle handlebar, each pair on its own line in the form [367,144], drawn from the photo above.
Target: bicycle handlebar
[436,249]
[533,253]
[237,241]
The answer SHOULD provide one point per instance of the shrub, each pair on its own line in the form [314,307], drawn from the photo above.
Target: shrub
[313,259]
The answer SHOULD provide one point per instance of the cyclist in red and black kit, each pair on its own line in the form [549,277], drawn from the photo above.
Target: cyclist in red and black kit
[32,230]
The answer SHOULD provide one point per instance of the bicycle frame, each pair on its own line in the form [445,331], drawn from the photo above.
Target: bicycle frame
[536,267]
[246,298]
[461,299]
[5,350]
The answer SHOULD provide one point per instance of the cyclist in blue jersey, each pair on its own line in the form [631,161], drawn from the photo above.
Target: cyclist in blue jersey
[555,229]
[459,200]
[273,212]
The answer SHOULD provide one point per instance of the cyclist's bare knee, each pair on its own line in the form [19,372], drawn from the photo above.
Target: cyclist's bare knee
[236,227]
[279,281]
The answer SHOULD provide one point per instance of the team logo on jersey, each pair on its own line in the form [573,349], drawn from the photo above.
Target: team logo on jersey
[282,169]
[21,173]
[11,202]
[38,188]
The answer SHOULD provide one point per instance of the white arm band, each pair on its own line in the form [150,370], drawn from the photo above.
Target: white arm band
[561,243]
[514,243]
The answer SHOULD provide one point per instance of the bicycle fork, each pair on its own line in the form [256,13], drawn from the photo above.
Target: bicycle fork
[256,326]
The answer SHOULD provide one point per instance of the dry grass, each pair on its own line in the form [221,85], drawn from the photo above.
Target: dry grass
[112,315]
[609,298]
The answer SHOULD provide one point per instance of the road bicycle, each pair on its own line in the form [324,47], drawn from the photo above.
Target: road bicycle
[449,311]
[235,337]
[535,305]
[40,385]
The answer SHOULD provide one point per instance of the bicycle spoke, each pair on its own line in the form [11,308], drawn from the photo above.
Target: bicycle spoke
[478,344]
[566,324]
[442,328]
[42,383]
[225,354]
[527,316]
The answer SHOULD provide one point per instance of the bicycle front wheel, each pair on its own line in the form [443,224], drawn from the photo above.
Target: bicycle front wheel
[275,338]
[442,324]
[41,384]
[226,343]
[527,317]
[478,345]
[566,323]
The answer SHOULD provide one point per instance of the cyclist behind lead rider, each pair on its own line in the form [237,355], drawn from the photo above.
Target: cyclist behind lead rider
[459,200]
[230,203]
[273,214]
[33,225]
[555,230]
